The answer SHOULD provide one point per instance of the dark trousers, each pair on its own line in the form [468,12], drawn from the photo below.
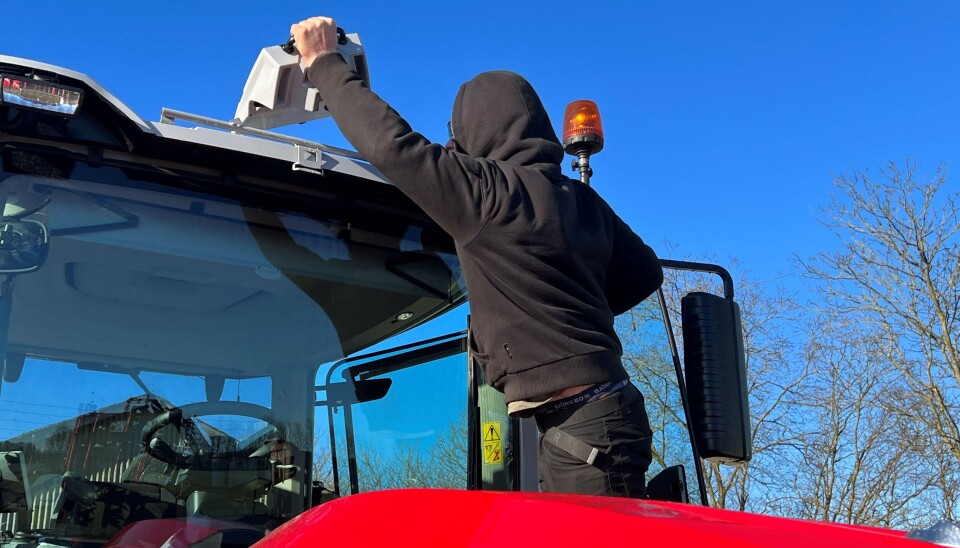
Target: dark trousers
[602,448]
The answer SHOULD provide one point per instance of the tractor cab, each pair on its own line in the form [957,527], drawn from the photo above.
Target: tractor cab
[189,319]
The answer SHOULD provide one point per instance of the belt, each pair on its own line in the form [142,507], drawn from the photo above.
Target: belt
[594,410]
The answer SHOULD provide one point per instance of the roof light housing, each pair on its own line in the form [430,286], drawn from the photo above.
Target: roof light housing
[33,94]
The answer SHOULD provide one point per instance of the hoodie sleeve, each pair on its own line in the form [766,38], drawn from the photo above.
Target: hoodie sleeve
[448,186]
[635,271]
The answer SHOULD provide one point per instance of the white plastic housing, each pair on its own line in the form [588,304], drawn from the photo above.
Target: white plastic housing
[277,92]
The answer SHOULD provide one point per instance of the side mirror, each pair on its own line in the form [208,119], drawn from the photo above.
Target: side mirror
[213,386]
[23,246]
[371,389]
[716,378]
[359,391]
[13,366]
[13,482]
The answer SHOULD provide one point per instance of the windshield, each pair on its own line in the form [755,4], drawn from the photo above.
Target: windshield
[161,339]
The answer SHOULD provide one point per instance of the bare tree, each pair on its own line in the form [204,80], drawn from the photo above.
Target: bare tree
[769,317]
[647,358]
[322,465]
[857,466]
[411,463]
[376,472]
[896,273]
[441,464]
[773,377]
[448,456]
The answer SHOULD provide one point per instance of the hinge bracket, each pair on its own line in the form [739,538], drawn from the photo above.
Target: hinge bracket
[309,160]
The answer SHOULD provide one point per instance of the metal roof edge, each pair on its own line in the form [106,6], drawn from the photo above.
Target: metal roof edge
[109,97]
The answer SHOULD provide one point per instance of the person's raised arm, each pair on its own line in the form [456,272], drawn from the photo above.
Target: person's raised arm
[450,187]
[635,271]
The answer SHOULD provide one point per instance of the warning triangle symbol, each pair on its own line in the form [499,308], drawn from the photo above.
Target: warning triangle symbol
[491,434]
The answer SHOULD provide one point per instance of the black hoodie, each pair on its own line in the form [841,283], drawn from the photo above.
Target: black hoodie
[547,262]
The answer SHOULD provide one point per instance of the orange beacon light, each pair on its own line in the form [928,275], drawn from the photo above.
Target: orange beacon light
[582,135]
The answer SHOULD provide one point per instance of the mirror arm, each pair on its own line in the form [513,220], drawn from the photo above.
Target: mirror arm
[703,267]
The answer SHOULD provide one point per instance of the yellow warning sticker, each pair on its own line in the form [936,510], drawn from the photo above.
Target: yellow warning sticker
[491,431]
[492,443]
[492,453]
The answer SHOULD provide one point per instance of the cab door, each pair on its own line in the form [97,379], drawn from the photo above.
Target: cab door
[414,416]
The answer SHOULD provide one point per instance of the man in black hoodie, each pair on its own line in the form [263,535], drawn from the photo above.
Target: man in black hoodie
[546,261]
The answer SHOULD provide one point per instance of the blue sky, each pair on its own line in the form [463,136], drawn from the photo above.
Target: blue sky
[725,122]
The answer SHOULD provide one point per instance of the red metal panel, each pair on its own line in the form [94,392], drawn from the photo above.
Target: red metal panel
[461,518]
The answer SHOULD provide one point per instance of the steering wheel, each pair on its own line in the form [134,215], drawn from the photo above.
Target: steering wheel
[162,451]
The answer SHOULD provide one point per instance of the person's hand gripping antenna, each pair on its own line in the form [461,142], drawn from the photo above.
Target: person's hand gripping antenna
[313,37]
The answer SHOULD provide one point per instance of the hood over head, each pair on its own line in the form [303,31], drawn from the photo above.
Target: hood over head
[498,115]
